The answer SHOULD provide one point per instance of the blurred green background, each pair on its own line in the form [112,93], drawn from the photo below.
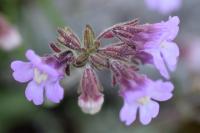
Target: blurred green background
[37,21]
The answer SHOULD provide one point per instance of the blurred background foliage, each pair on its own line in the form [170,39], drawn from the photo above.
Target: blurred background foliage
[37,21]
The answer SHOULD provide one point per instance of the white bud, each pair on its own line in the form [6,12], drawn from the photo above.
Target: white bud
[10,40]
[91,106]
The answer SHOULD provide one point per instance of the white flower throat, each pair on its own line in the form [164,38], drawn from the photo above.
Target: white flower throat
[143,100]
[39,76]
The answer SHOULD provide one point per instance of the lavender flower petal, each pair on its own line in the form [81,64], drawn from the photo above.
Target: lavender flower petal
[32,57]
[37,61]
[159,62]
[54,91]
[34,92]
[133,96]
[128,113]
[153,108]
[145,115]
[170,52]
[161,91]
[23,71]
[172,27]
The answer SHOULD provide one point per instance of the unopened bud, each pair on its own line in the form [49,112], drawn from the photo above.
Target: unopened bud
[91,106]
[88,37]
[10,37]
[91,98]
[68,38]
[81,60]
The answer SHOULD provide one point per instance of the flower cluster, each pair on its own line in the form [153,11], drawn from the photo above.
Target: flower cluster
[137,44]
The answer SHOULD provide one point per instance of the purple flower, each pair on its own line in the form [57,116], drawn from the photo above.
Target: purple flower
[150,43]
[139,92]
[159,43]
[164,6]
[42,75]
[155,40]
[143,98]
[91,98]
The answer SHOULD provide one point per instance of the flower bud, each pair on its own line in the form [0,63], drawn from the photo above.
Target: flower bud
[10,37]
[91,98]
[91,106]
[81,60]
[98,61]
[88,37]
[119,51]
[68,38]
